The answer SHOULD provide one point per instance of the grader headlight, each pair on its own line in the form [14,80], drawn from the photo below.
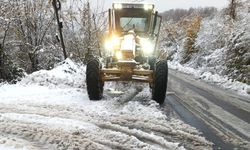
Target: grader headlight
[147,46]
[108,45]
[118,55]
[118,6]
[112,43]
[148,6]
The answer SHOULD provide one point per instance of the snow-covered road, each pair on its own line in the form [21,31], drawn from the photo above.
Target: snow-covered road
[51,110]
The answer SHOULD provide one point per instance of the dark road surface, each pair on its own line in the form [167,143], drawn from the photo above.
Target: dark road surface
[222,116]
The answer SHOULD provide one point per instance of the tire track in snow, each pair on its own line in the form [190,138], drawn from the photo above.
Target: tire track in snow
[14,142]
[55,139]
[188,138]
[109,126]
[125,122]
[88,134]
[122,123]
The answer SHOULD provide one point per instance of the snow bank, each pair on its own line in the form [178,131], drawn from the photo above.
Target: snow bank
[222,81]
[65,74]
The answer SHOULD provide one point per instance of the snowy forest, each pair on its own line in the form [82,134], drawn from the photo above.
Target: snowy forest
[210,40]
[206,39]
[193,93]
[30,39]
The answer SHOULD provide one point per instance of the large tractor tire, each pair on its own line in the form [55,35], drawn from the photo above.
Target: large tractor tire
[160,80]
[93,79]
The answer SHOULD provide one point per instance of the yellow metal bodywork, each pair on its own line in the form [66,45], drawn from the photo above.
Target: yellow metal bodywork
[126,72]
[131,75]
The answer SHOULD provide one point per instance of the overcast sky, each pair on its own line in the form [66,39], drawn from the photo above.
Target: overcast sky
[163,5]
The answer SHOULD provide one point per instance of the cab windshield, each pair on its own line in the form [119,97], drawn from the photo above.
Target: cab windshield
[132,19]
[129,23]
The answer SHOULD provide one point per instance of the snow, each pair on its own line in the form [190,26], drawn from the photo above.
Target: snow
[52,122]
[7,143]
[67,74]
[222,50]
[6,147]
[222,81]
[51,105]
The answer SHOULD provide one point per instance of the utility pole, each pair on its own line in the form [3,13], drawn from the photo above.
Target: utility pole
[57,6]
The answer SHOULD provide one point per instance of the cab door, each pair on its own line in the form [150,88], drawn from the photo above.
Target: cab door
[156,24]
[156,29]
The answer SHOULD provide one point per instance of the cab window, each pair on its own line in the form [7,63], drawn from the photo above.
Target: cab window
[127,19]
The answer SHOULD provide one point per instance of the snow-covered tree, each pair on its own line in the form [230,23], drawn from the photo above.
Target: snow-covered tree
[191,35]
[8,69]
[238,53]
[232,9]
[28,33]
[33,29]
[84,25]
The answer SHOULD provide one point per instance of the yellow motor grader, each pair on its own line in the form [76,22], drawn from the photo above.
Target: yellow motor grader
[131,49]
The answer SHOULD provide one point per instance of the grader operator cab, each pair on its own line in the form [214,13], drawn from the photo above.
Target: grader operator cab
[131,50]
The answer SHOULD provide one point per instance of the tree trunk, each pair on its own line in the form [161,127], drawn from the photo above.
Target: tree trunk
[232,9]
[34,62]
[1,62]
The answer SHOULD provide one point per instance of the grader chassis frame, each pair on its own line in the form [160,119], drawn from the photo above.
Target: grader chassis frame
[126,72]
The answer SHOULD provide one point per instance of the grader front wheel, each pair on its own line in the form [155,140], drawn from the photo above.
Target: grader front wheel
[159,87]
[93,79]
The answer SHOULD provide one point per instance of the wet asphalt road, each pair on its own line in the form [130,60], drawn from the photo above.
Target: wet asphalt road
[222,116]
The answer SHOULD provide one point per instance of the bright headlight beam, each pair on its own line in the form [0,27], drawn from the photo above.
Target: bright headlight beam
[147,46]
[148,6]
[118,55]
[118,6]
[108,45]
[112,43]
[115,40]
